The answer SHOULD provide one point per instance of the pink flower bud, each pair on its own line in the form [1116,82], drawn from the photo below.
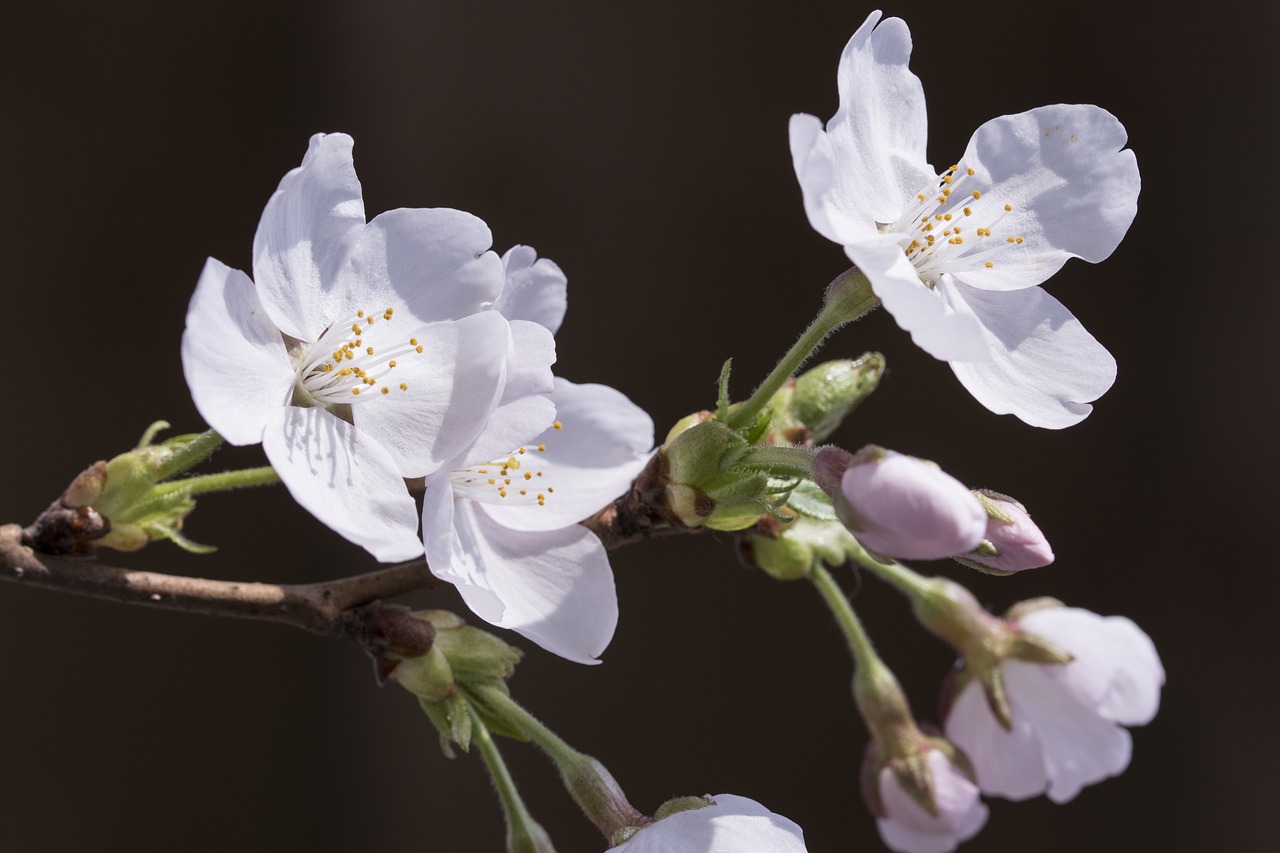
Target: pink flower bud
[899,506]
[957,812]
[1012,543]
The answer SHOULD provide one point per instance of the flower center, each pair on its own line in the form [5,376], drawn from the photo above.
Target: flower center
[351,361]
[953,228]
[520,479]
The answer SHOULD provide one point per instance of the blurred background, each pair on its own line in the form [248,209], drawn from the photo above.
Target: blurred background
[643,146]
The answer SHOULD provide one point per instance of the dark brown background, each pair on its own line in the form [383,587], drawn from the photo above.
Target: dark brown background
[643,147]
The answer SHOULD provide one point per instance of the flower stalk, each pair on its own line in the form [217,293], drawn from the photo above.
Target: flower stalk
[524,834]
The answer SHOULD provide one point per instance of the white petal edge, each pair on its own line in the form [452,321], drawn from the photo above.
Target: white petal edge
[431,262]
[879,133]
[733,825]
[1044,368]
[233,356]
[453,387]
[1074,192]
[555,586]
[909,829]
[935,326]
[536,289]
[604,443]
[304,236]
[345,479]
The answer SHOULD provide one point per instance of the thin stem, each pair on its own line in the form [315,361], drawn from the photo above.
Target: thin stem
[523,832]
[864,653]
[510,711]
[848,297]
[220,482]
[915,586]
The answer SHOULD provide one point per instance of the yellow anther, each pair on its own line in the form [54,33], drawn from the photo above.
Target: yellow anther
[948,179]
[989,264]
[502,493]
[493,482]
[513,462]
[955,167]
[346,371]
[391,364]
[557,425]
[920,196]
[506,482]
[355,391]
[355,328]
[946,233]
[1010,240]
[542,447]
[977,194]
[968,211]
[528,475]
[956,241]
[418,348]
[970,171]
[1008,207]
[1019,240]
[404,387]
[369,350]
[386,390]
[539,473]
[413,342]
[521,451]
[360,313]
[549,489]
[523,492]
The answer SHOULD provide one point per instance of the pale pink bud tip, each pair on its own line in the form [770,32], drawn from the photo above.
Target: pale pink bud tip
[900,506]
[1013,545]
[908,828]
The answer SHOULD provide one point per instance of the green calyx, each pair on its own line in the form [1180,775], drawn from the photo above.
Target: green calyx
[132,495]
[809,408]
[812,536]
[717,478]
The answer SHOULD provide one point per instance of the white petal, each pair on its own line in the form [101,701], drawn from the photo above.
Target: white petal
[1007,763]
[879,132]
[1074,192]
[433,263]
[533,351]
[304,236]
[1044,366]
[1090,675]
[555,587]
[535,290]
[733,825]
[814,160]
[345,479]
[233,356]
[605,440]
[1134,696]
[452,387]
[907,827]
[511,426]
[935,326]
[1079,746]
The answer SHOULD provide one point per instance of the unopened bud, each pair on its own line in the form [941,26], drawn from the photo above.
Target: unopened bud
[809,408]
[1012,543]
[926,799]
[899,506]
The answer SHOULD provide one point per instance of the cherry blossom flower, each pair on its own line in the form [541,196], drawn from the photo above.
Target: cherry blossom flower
[358,355]
[899,506]
[906,827]
[1067,720]
[957,256]
[500,521]
[732,825]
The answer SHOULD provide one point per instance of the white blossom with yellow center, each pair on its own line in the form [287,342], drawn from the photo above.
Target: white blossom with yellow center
[360,354]
[500,522]
[956,257]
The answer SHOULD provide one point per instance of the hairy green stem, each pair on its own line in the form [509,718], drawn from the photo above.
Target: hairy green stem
[221,482]
[524,834]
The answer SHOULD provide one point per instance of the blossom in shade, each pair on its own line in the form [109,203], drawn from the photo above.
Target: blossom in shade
[500,521]
[907,827]
[731,825]
[900,506]
[1013,542]
[1066,721]
[956,255]
[359,353]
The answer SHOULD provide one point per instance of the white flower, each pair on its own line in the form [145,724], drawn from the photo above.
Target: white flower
[501,520]
[956,256]
[732,825]
[358,355]
[906,827]
[900,506]
[1067,719]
